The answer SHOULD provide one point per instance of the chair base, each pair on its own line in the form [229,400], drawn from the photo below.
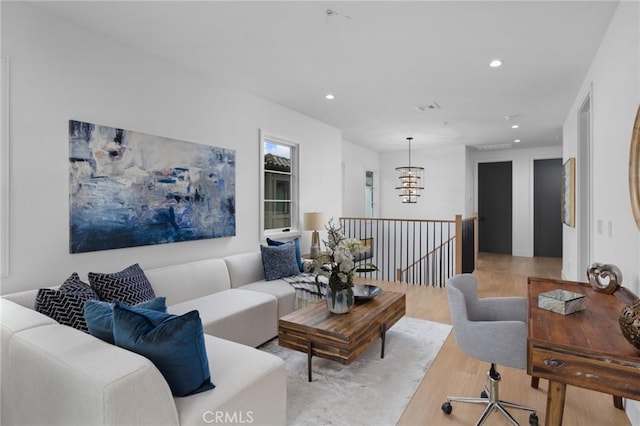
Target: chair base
[490,398]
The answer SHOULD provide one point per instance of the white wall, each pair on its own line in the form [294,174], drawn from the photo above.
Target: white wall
[614,81]
[60,71]
[470,205]
[522,169]
[357,160]
[444,183]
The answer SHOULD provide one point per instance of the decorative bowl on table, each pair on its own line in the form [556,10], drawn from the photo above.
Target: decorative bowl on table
[365,292]
[630,323]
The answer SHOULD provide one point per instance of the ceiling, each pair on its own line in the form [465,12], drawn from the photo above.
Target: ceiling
[383,61]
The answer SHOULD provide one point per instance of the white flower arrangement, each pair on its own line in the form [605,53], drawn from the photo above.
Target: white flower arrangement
[336,262]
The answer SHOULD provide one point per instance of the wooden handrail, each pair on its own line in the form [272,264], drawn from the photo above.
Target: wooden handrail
[399,220]
[399,272]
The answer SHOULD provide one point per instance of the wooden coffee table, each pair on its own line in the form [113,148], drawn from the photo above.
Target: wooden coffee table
[342,338]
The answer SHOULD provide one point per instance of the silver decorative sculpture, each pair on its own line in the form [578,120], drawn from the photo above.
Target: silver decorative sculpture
[604,277]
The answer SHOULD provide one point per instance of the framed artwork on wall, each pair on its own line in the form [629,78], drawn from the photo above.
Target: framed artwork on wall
[129,189]
[634,169]
[568,192]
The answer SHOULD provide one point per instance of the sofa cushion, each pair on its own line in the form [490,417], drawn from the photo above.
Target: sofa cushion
[279,261]
[187,281]
[249,382]
[282,290]
[66,304]
[129,286]
[99,315]
[296,243]
[175,344]
[245,268]
[242,316]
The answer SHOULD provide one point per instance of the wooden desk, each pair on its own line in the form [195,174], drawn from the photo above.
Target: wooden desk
[585,349]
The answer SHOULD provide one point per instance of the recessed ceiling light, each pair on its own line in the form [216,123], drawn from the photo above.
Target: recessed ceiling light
[515,126]
[329,96]
[495,63]
[517,140]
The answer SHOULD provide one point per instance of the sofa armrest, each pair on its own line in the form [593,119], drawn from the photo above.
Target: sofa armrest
[75,379]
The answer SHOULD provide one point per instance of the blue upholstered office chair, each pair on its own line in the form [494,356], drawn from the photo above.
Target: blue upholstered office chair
[492,330]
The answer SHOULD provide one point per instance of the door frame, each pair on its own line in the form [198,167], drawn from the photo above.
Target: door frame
[584,180]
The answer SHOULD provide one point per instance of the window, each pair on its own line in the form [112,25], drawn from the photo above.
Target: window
[368,194]
[279,184]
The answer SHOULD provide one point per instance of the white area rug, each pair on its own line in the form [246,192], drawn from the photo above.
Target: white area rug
[369,391]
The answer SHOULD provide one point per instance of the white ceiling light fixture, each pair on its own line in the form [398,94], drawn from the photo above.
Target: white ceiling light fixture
[495,63]
[515,126]
[410,180]
[516,140]
[329,96]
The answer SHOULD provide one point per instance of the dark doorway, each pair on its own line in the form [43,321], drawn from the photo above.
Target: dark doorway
[495,211]
[547,224]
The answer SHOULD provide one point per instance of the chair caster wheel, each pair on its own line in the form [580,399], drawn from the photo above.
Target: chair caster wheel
[447,408]
[483,394]
[533,419]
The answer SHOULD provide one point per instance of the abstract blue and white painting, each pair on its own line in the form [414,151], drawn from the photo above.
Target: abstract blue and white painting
[132,189]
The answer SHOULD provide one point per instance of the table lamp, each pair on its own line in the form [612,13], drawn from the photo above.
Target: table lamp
[312,222]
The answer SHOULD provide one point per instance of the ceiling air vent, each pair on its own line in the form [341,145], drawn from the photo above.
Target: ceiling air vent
[424,107]
[493,147]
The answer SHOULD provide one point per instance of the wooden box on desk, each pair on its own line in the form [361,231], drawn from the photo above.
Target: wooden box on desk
[561,301]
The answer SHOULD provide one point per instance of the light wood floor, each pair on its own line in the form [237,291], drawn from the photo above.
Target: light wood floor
[453,373]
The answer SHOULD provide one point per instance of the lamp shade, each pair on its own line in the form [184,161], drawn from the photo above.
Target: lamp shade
[313,221]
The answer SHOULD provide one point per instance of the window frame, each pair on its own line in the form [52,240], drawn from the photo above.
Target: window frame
[5,174]
[295,229]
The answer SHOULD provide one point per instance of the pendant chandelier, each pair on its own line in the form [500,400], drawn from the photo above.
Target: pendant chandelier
[410,180]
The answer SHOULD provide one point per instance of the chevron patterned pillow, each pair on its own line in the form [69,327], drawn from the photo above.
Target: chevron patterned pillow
[129,286]
[66,304]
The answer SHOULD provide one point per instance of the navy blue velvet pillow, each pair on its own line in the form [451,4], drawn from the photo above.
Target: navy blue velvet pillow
[99,315]
[296,242]
[279,261]
[175,344]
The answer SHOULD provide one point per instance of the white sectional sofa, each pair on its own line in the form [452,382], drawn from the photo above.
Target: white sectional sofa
[56,375]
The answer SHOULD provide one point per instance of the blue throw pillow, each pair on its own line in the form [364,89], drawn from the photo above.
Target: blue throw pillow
[296,242]
[99,315]
[175,344]
[279,261]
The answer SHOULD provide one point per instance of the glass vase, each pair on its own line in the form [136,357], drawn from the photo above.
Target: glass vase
[341,304]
